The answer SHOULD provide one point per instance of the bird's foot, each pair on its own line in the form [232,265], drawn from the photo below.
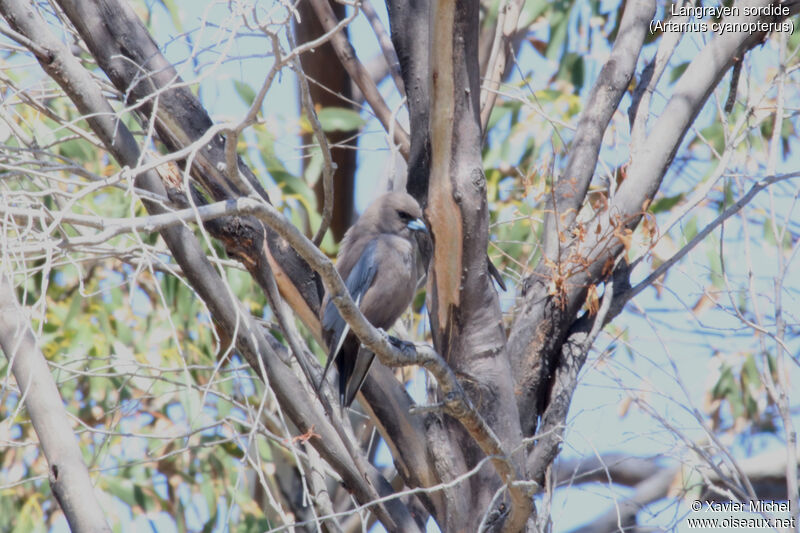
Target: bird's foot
[408,349]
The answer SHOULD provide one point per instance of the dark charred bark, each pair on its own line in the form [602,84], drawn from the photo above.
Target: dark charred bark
[410,27]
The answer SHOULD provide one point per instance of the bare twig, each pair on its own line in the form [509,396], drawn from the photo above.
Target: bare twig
[702,234]
[780,391]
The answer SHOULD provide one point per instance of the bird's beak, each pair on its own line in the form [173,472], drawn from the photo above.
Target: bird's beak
[417,225]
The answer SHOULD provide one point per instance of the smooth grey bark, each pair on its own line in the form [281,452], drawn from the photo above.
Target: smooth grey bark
[68,475]
[466,321]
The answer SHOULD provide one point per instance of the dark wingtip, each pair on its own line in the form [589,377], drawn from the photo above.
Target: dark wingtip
[344,377]
[496,274]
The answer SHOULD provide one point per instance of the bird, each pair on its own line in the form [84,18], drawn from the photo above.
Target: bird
[379,261]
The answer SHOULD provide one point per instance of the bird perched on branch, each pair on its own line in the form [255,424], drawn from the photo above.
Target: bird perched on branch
[379,263]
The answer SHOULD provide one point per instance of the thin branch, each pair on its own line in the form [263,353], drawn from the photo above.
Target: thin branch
[304,360]
[757,187]
[39,51]
[781,390]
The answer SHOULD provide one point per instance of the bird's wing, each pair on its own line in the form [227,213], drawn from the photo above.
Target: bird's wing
[358,281]
[388,296]
[358,375]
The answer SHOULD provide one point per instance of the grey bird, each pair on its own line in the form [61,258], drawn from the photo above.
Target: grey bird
[379,261]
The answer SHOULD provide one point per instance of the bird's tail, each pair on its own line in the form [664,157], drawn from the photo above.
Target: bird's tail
[351,381]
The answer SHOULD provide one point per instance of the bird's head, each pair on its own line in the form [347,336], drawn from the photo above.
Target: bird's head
[397,213]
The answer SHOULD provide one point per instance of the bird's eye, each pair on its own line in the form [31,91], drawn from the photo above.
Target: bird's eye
[405,217]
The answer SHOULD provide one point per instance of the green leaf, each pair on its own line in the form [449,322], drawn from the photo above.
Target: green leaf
[339,119]
[121,488]
[678,71]
[666,203]
[314,166]
[713,135]
[499,112]
[724,385]
[141,499]
[212,521]
[30,518]
[531,11]
[689,230]
[245,92]
[75,149]
[769,235]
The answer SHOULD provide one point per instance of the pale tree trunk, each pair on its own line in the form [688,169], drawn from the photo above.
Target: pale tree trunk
[68,475]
